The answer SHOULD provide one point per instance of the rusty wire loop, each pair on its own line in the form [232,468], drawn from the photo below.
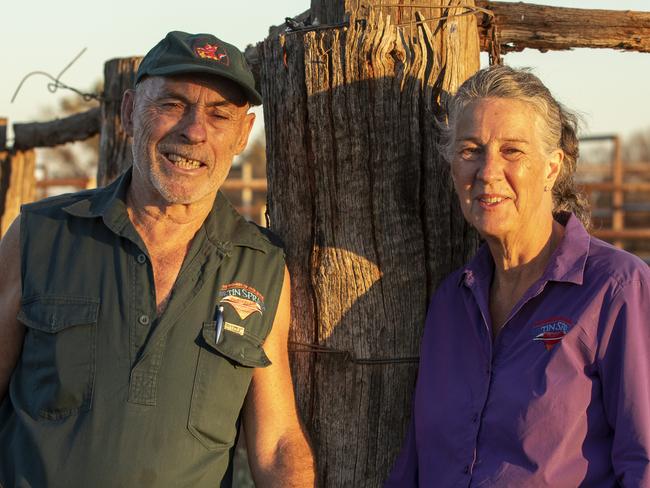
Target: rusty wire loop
[348,356]
[56,83]
[470,10]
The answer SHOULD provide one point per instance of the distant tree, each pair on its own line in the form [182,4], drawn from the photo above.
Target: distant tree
[71,160]
[636,148]
[596,152]
[255,154]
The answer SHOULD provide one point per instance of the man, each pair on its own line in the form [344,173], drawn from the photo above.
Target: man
[141,320]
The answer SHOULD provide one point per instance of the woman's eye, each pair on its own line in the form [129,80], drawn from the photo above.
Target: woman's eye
[512,151]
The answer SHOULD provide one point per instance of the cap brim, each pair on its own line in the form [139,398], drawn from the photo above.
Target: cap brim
[252,95]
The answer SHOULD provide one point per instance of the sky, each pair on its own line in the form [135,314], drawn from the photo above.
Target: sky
[608,88]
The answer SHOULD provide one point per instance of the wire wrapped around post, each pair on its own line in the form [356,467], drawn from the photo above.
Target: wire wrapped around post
[348,356]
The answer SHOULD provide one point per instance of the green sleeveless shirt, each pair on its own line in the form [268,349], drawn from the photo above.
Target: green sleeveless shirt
[107,394]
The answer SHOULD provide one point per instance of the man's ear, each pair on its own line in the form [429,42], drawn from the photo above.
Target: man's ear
[127,108]
[247,126]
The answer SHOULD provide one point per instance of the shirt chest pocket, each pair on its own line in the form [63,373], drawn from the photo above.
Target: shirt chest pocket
[55,375]
[222,378]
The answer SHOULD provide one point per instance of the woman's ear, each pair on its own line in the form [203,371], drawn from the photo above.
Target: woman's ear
[553,167]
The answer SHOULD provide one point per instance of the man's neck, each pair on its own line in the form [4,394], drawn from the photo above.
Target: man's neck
[167,232]
[156,221]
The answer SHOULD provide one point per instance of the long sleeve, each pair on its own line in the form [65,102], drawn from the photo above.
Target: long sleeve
[405,470]
[624,367]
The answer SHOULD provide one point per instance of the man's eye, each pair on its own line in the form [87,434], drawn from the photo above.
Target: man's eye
[469,152]
[172,105]
[220,115]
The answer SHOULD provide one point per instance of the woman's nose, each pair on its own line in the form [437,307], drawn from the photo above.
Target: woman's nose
[491,167]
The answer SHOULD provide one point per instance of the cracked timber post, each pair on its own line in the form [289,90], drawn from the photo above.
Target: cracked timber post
[366,208]
[114,145]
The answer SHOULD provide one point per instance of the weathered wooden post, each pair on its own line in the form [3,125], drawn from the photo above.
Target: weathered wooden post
[365,206]
[17,181]
[3,133]
[114,145]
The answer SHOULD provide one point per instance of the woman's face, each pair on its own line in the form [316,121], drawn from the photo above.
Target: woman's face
[500,168]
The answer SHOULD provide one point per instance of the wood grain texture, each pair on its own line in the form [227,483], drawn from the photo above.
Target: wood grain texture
[77,127]
[3,133]
[523,25]
[114,145]
[365,207]
[17,184]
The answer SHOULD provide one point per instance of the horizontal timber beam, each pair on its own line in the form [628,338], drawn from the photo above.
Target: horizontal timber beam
[524,25]
[77,127]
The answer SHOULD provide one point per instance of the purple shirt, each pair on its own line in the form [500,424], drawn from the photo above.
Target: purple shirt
[562,396]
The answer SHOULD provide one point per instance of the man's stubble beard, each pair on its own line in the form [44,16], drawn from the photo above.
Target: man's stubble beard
[162,183]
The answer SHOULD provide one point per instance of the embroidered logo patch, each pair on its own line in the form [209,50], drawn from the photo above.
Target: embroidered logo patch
[214,52]
[245,299]
[551,331]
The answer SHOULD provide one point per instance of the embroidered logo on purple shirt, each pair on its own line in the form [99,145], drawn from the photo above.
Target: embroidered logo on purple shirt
[551,331]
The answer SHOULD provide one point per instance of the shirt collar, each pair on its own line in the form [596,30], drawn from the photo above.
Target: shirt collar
[224,227]
[567,263]
[108,203]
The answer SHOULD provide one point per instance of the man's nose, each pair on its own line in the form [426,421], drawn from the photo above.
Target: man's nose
[193,126]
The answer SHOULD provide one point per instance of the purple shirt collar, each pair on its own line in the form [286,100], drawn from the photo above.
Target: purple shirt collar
[567,263]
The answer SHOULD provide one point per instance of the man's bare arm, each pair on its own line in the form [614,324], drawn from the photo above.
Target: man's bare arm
[279,453]
[11,331]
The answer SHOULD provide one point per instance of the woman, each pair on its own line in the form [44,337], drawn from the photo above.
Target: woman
[535,360]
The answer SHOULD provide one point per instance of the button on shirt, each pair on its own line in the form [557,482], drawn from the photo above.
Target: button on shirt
[561,398]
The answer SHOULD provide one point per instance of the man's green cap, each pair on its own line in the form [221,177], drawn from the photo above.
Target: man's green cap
[182,53]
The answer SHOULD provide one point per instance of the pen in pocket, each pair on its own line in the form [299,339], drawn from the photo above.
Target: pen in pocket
[218,329]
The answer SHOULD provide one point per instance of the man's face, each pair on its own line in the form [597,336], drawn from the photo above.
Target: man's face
[186,131]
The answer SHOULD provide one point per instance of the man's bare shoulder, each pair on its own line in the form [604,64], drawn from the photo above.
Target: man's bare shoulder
[11,331]
[10,255]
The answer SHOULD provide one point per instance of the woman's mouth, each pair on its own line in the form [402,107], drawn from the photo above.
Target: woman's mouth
[488,201]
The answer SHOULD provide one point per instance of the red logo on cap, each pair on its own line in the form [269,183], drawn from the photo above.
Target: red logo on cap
[213,51]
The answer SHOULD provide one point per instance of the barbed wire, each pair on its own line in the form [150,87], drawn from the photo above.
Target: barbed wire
[348,356]
[56,83]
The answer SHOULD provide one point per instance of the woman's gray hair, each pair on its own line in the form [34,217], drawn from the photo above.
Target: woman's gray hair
[561,126]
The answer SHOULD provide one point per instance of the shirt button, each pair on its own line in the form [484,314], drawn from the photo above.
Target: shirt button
[466,470]
[141,259]
[475,418]
[144,319]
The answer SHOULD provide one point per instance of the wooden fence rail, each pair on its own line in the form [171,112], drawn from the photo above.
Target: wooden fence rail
[616,185]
